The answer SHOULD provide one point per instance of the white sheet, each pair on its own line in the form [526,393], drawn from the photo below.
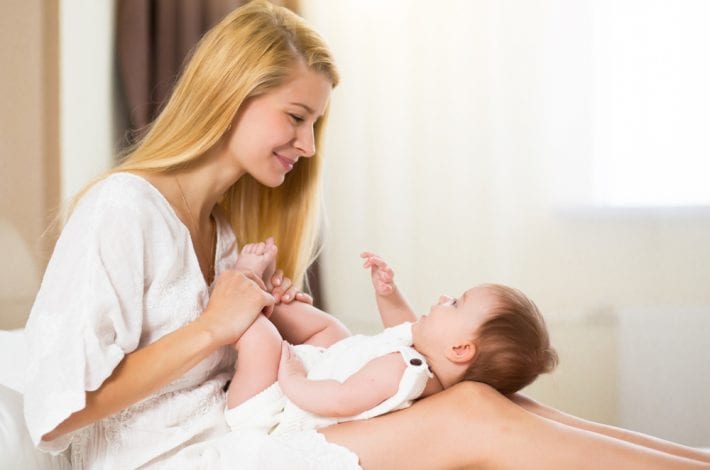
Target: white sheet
[16,449]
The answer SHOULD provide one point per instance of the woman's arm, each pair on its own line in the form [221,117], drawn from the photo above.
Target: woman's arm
[378,380]
[392,305]
[235,302]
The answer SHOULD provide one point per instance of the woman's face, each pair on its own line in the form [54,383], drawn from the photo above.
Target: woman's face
[272,131]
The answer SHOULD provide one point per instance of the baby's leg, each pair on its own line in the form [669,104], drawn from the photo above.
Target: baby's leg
[259,258]
[258,355]
[302,323]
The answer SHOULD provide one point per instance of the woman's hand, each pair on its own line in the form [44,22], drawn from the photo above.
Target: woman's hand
[236,300]
[285,292]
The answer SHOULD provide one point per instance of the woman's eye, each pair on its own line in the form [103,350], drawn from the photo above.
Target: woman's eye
[296,118]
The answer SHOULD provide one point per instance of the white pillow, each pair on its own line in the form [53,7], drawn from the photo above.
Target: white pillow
[16,449]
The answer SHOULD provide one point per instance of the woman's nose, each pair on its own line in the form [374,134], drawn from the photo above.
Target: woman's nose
[306,141]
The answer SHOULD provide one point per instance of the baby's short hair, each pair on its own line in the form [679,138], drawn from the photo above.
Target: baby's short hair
[512,346]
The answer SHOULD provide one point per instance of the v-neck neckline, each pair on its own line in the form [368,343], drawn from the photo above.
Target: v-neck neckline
[217,228]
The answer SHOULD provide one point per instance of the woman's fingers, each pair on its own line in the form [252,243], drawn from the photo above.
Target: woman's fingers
[235,302]
[277,278]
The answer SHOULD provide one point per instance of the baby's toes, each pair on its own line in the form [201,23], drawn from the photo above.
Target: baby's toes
[259,248]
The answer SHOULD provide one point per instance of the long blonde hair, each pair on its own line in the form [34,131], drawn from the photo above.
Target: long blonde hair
[251,51]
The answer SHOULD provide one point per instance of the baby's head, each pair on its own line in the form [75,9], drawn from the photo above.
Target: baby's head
[493,333]
[513,346]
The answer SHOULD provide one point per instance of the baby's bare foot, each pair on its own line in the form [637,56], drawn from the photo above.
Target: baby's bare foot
[259,258]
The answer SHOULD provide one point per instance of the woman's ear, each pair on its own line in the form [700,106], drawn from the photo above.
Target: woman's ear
[461,353]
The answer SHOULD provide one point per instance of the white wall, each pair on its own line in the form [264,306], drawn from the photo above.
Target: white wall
[27,121]
[444,153]
[87,81]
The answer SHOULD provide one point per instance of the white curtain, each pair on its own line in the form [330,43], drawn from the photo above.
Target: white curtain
[464,146]
[464,142]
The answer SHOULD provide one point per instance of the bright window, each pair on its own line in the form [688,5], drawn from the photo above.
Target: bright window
[651,103]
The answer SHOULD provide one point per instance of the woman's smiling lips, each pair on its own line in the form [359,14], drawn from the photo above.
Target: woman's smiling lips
[286,162]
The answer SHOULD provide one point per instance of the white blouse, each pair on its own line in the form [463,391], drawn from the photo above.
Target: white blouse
[123,274]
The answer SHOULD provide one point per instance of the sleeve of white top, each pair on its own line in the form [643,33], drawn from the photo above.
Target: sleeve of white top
[89,310]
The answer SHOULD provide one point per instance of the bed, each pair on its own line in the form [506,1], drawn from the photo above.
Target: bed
[16,449]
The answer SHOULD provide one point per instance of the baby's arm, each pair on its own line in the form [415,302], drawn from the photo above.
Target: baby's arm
[302,323]
[378,380]
[392,305]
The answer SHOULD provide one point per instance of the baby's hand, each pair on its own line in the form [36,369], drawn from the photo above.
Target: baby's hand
[290,367]
[259,258]
[382,274]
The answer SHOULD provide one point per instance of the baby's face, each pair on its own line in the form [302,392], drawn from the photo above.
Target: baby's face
[452,319]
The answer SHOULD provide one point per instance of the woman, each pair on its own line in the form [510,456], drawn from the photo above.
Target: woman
[131,332]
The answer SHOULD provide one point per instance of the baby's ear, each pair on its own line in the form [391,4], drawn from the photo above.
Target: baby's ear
[461,353]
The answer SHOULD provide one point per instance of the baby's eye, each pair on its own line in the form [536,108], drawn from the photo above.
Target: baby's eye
[454,302]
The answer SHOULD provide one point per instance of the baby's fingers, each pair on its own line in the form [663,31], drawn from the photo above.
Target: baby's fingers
[303,297]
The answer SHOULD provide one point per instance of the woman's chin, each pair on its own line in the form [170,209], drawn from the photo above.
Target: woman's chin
[271,181]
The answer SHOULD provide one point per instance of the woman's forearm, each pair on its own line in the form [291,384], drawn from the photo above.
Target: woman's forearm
[234,304]
[141,373]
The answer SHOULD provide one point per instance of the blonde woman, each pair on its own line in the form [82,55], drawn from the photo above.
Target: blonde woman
[131,330]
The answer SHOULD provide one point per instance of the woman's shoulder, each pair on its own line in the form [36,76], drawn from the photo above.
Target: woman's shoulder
[122,200]
[123,190]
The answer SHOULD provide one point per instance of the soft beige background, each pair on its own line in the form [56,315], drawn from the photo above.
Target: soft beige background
[459,149]
[442,164]
[28,149]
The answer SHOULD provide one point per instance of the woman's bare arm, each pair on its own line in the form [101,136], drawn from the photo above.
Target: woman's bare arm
[236,301]
[140,374]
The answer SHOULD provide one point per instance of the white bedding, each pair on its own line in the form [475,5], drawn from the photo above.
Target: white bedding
[16,449]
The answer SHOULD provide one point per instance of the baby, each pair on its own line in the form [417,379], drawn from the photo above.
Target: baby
[491,333]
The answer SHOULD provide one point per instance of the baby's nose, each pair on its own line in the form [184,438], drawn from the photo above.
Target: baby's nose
[444,299]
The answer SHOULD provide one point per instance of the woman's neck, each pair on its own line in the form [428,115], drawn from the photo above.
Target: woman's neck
[205,182]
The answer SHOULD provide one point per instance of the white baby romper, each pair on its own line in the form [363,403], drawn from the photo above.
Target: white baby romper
[271,412]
